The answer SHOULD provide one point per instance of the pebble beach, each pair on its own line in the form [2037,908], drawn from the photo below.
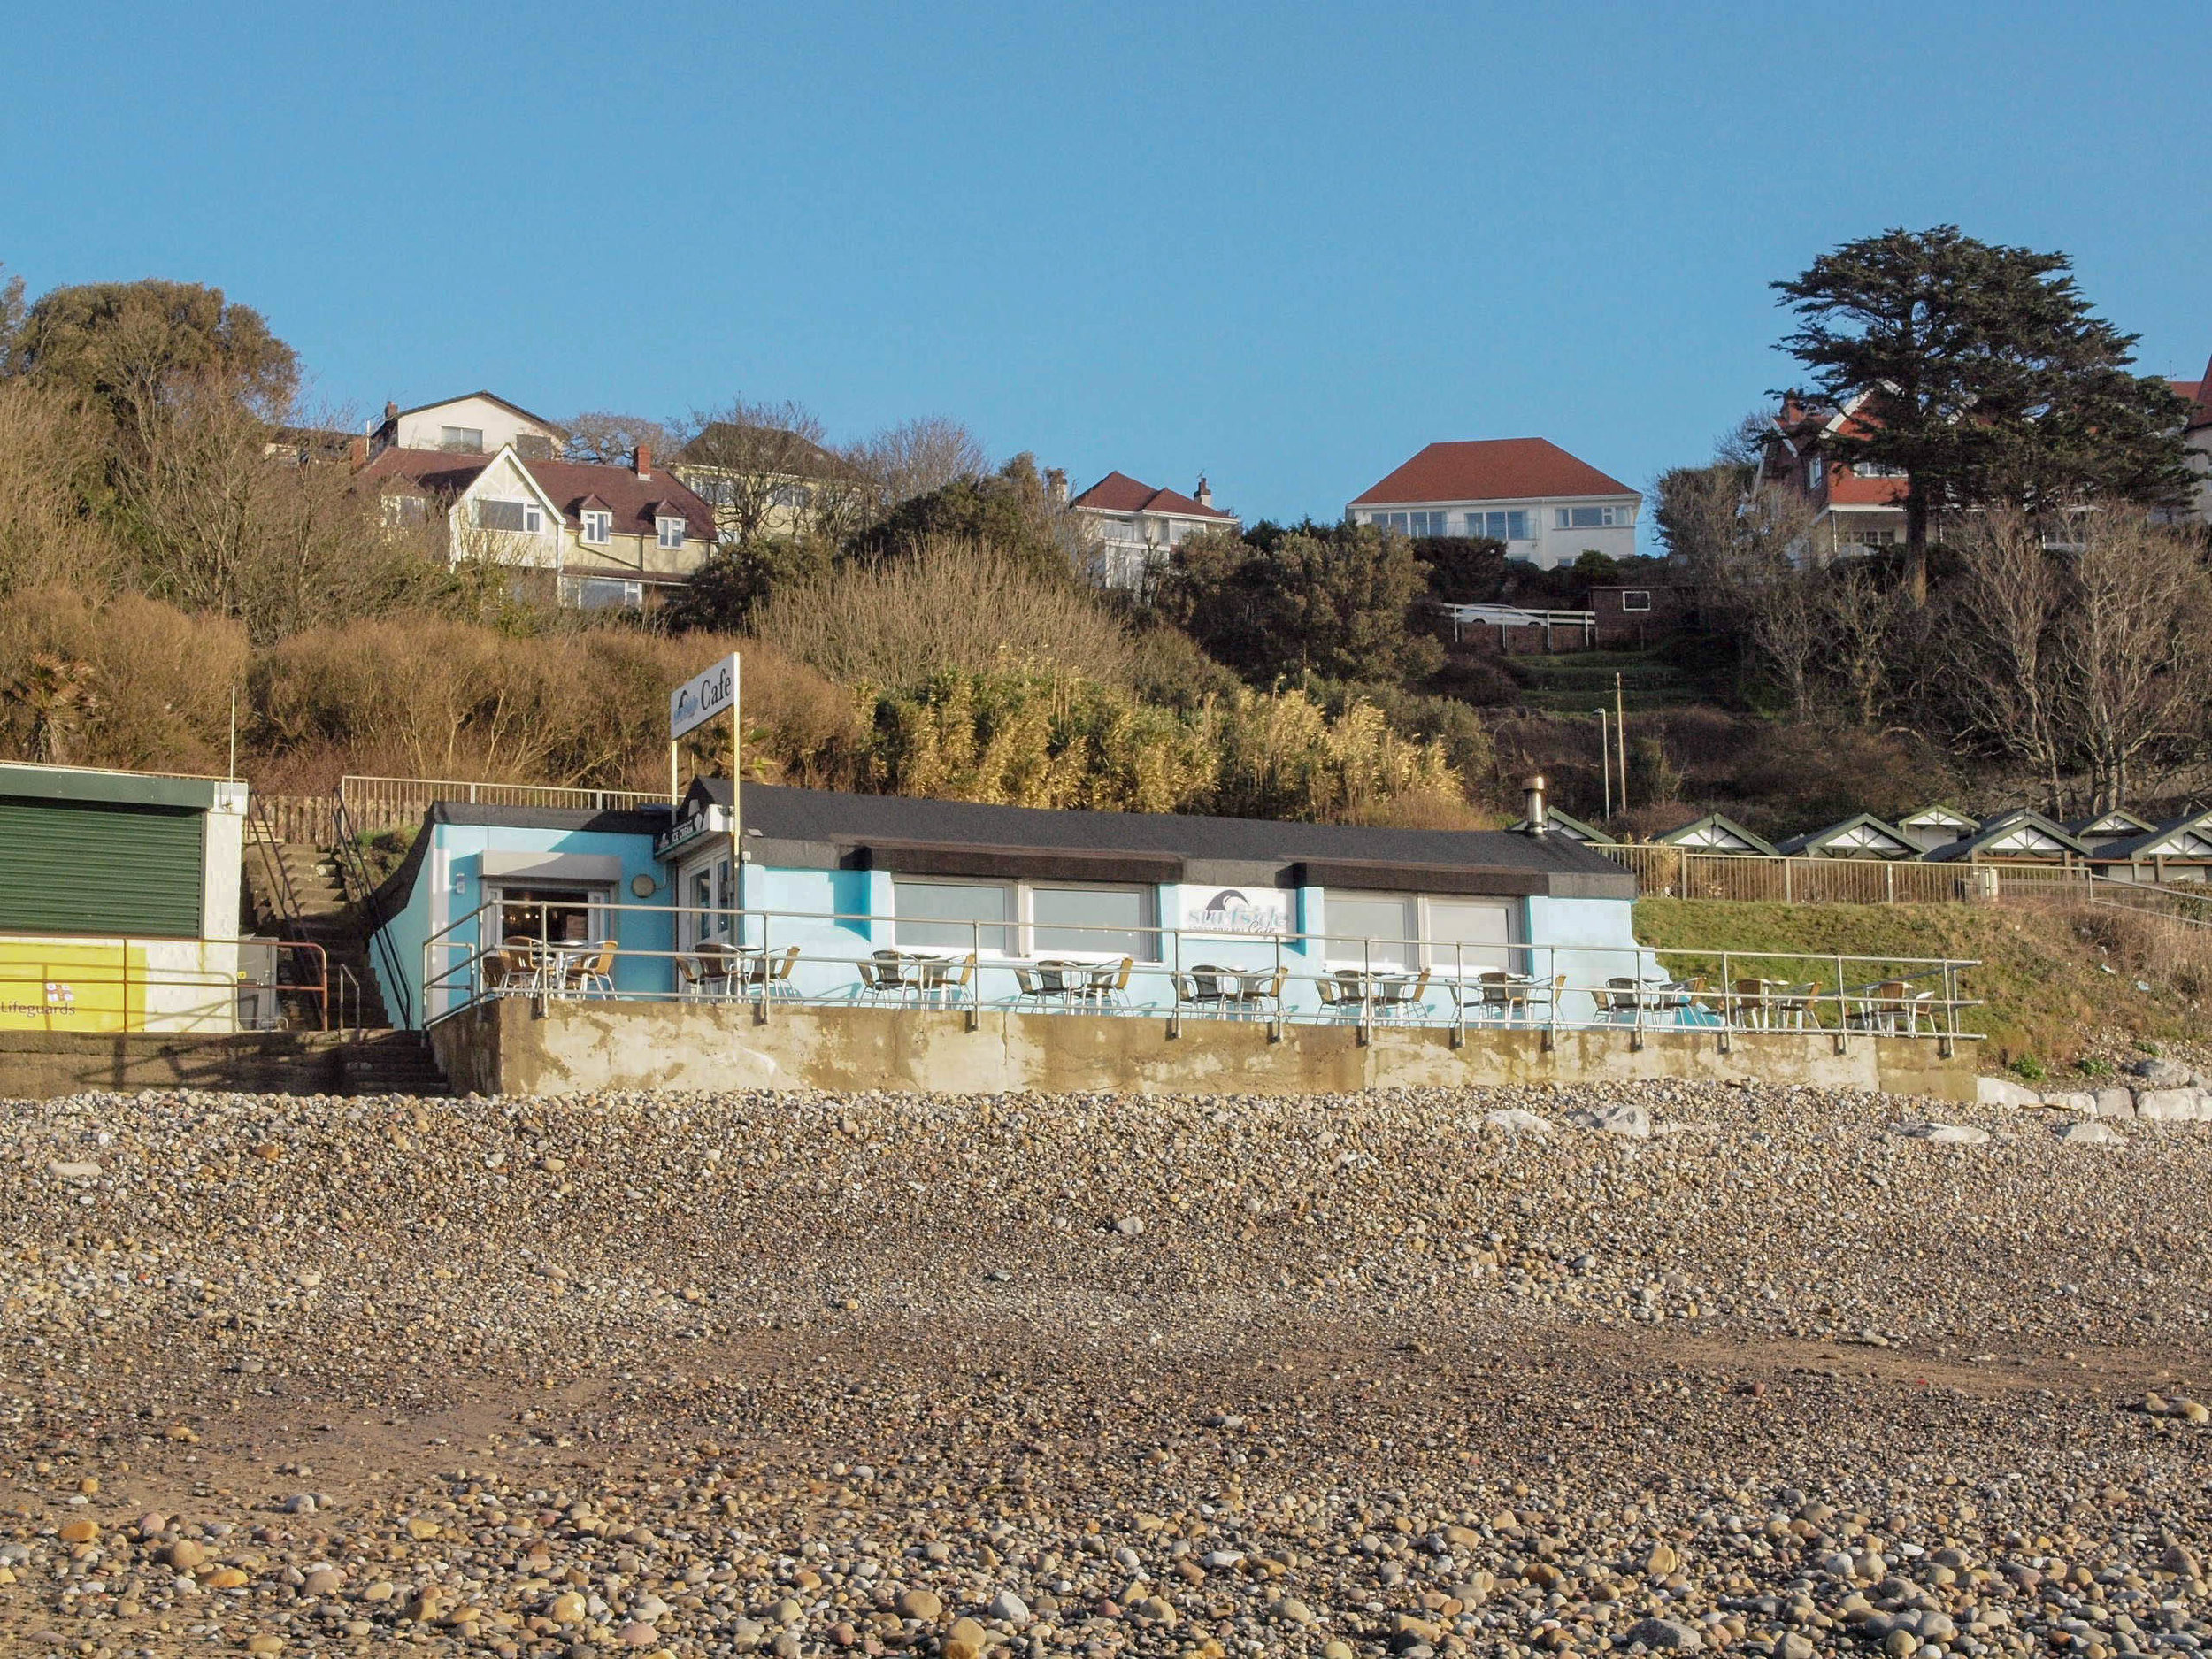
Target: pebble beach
[1666,1369]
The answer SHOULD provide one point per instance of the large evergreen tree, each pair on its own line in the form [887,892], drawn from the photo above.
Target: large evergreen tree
[1986,378]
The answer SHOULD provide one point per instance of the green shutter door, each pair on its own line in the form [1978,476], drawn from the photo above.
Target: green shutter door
[71,868]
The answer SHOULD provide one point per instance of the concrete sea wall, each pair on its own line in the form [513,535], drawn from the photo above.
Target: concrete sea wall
[513,1046]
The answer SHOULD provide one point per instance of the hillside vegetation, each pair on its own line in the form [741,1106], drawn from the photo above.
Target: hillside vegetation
[2063,985]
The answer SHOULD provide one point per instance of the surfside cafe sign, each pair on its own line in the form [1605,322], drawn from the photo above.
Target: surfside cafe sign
[702,697]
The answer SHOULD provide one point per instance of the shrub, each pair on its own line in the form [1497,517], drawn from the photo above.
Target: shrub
[896,625]
[127,682]
[2028,1068]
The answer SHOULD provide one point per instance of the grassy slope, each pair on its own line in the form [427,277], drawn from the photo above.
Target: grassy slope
[2047,992]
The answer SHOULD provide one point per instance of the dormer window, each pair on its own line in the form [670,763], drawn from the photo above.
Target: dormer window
[671,531]
[598,526]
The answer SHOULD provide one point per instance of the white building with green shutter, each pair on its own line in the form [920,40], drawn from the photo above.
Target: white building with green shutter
[118,900]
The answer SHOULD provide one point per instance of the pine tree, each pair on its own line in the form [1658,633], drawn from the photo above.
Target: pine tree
[1986,378]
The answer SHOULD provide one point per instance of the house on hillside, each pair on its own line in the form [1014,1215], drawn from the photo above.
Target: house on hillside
[1138,525]
[2197,438]
[763,481]
[1862,836]
[1546,506]
[1858,507]
[476,423]
[1713,833]
[581,534]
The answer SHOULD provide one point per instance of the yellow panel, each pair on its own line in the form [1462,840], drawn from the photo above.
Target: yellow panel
[93,986]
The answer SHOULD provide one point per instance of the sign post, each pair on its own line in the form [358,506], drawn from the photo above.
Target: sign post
[691,705]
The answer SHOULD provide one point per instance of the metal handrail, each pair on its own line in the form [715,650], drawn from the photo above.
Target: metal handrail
[278,877]
[353,872]
[347,985]
[1859,993]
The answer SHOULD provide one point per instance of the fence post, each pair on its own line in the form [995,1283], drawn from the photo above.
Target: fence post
[1681,873]
[1889,876]
[975,976]
[1789,884]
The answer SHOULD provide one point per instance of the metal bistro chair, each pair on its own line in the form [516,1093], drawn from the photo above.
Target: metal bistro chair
[592,973]
[1402,998]
[1893,1004]
[1540,994]
[1108,984]
[513,967]
[1334,1004]
[891,973]
[1254,991]
[1621,1001]
[1049,980]
[941,984]
[1205,988]
[1496,992]
[770,973]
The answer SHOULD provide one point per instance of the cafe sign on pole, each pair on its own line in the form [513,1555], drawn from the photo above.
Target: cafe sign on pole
[700,699]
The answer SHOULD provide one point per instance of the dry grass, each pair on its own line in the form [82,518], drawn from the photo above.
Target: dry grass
[894,625]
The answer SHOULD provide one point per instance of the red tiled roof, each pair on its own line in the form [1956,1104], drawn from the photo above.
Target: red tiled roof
[1848,490]
[1492,469]
[1118,492]
[2198,393]
[634,501]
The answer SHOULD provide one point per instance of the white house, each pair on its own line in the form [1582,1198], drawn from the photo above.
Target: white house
[475,424]
[1546,507]
[1137,525]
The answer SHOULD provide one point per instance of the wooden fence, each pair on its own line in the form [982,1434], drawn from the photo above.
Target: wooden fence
[376,805]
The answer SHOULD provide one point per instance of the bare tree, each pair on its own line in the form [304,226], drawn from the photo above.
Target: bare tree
[1862,616]
[51,468]
[2128,663]
[2003,606]
[917,456]
[609,439]
[756,464]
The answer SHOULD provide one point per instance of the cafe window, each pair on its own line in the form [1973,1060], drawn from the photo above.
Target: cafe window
[1370,928]
[709,901]
[1042,918]
[1090,921]
[1474,934]
[955,916]
[554,915]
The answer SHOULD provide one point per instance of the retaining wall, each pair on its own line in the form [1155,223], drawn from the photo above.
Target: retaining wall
[44,1065]
[511,1047]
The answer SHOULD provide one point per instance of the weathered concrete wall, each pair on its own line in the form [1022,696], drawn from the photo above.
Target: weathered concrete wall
[510,1047]
[44,1065]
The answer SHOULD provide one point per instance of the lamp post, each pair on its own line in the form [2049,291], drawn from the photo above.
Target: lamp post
[1605,756]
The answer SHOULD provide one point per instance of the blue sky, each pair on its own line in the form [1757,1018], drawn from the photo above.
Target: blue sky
[1285,245]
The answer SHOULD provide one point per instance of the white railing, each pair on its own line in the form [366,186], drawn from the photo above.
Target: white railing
[767,959]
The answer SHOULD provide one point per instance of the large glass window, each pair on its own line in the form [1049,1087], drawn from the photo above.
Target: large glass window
[1090,921]
[1473,933]
[1371,927]
[550,914]
[462,440]
[1510,525]
[521,517]
[942,915]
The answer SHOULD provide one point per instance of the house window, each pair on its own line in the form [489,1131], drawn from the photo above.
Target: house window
[1635,599]
[601,593]
[792,497]
[404,512]
[1876,469]
[1511,526]
[520,518]
[1590,518]
[1816,470]
[597,526]
[462,440]
[708,901]
[1425,524]
[671,531]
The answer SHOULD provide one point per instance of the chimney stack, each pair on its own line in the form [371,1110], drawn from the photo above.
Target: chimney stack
[1205,495]
[391,410]
[1533,807]
[1057,485]
[645,460]
[358,453]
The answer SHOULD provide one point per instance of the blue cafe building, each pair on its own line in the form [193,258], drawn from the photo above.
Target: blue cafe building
[846,880]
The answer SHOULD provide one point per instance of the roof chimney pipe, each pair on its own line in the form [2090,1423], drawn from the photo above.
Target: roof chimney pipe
[1533,807]
[1205,495]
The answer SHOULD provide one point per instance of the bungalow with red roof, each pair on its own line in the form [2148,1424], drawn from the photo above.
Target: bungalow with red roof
[1546,506]
[588,535]
[1137,525]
